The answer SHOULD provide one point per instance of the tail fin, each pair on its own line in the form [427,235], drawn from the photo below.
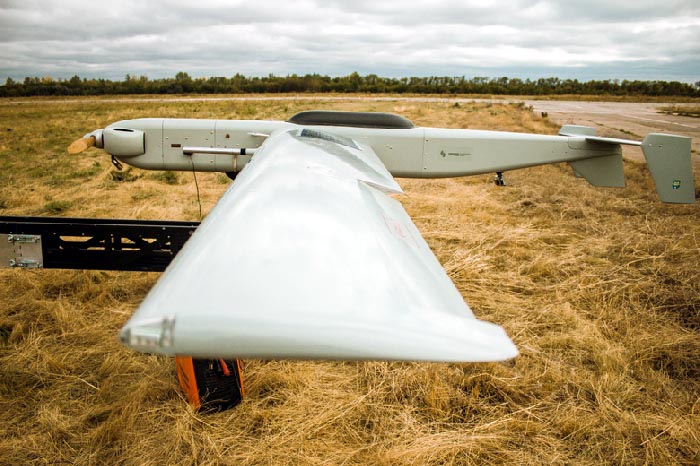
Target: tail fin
[667,155]
[668,159]
[606,171]
[602,172]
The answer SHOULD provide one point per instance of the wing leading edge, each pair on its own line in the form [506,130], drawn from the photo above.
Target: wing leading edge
[306,256]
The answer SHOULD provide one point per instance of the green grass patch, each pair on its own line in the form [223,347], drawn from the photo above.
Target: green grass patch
[56,207]
[166,177]
[682,110]
[123,176]
[222,178]
[141,195]
[86,173]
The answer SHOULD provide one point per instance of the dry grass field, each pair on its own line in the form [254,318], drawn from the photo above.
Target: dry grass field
[599,289]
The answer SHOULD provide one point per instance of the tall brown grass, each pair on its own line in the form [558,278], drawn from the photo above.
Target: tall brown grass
[599,288]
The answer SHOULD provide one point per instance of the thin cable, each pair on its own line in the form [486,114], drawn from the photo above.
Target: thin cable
[199,201]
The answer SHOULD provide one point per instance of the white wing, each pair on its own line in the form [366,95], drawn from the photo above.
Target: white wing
[305,256]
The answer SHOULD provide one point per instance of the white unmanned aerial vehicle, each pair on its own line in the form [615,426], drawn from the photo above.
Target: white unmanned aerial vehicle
[307,255]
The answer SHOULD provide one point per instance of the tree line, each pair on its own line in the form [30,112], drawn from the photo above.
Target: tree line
[183,83]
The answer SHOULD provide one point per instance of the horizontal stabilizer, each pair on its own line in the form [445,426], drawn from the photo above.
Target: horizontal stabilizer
[668,159]
[590,134]
[576,130]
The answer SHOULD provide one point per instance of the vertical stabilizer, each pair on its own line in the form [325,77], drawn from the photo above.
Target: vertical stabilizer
[668,159]
[605,171]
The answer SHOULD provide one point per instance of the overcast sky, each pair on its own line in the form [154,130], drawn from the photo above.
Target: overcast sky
[584,39]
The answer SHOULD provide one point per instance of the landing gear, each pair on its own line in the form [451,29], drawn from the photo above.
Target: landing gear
[498,179]
[210,384]
[117,164]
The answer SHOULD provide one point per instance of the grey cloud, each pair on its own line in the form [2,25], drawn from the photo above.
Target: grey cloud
[218,37]
[604,11]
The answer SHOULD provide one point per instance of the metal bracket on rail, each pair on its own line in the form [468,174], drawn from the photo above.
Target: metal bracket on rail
[99,244]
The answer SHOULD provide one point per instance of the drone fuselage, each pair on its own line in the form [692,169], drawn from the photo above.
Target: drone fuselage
[159,144]
[404,149]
